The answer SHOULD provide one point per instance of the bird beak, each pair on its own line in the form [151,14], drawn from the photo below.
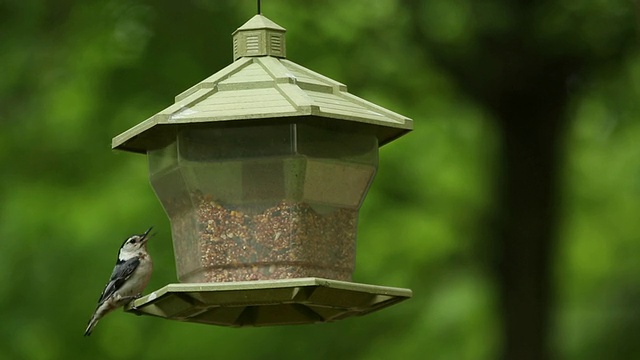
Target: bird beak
[146,235]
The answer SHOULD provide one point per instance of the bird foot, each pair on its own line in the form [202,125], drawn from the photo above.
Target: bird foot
[133,306]
[128,299]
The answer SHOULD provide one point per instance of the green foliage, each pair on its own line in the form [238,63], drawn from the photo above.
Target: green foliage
[77,73]
[597,274]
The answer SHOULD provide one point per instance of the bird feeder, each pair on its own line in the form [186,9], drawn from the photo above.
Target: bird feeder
[262,168]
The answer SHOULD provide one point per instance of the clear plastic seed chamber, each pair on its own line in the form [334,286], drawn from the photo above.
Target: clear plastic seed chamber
[264,202]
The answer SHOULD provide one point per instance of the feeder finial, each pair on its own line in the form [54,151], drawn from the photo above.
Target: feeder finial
[259,37]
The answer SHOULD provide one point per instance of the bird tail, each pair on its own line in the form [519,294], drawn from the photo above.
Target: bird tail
[103,309]
[92,323]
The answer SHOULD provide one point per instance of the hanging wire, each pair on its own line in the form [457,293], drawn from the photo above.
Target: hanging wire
[259,7]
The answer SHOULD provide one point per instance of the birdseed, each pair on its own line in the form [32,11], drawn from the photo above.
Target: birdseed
[216,243]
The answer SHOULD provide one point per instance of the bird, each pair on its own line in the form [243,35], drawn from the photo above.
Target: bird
[129,278]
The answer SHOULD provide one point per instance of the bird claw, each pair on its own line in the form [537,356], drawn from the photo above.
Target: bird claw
[133,306]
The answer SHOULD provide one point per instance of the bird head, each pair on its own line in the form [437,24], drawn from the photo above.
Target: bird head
[135,242]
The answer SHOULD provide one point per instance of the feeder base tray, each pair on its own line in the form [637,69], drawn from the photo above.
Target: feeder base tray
[267,302]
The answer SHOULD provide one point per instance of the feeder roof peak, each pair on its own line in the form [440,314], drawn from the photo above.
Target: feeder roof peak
[259,37]
[259,21]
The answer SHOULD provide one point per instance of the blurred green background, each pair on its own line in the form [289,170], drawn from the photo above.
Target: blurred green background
[477,77]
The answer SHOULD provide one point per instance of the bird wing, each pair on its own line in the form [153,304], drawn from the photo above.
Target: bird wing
[121,273]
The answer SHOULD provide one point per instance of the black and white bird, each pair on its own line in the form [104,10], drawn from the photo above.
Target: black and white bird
[129,278]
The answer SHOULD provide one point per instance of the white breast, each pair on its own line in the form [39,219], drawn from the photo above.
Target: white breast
[139,279]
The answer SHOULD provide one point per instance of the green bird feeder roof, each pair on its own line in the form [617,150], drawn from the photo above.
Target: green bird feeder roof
[260,85]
